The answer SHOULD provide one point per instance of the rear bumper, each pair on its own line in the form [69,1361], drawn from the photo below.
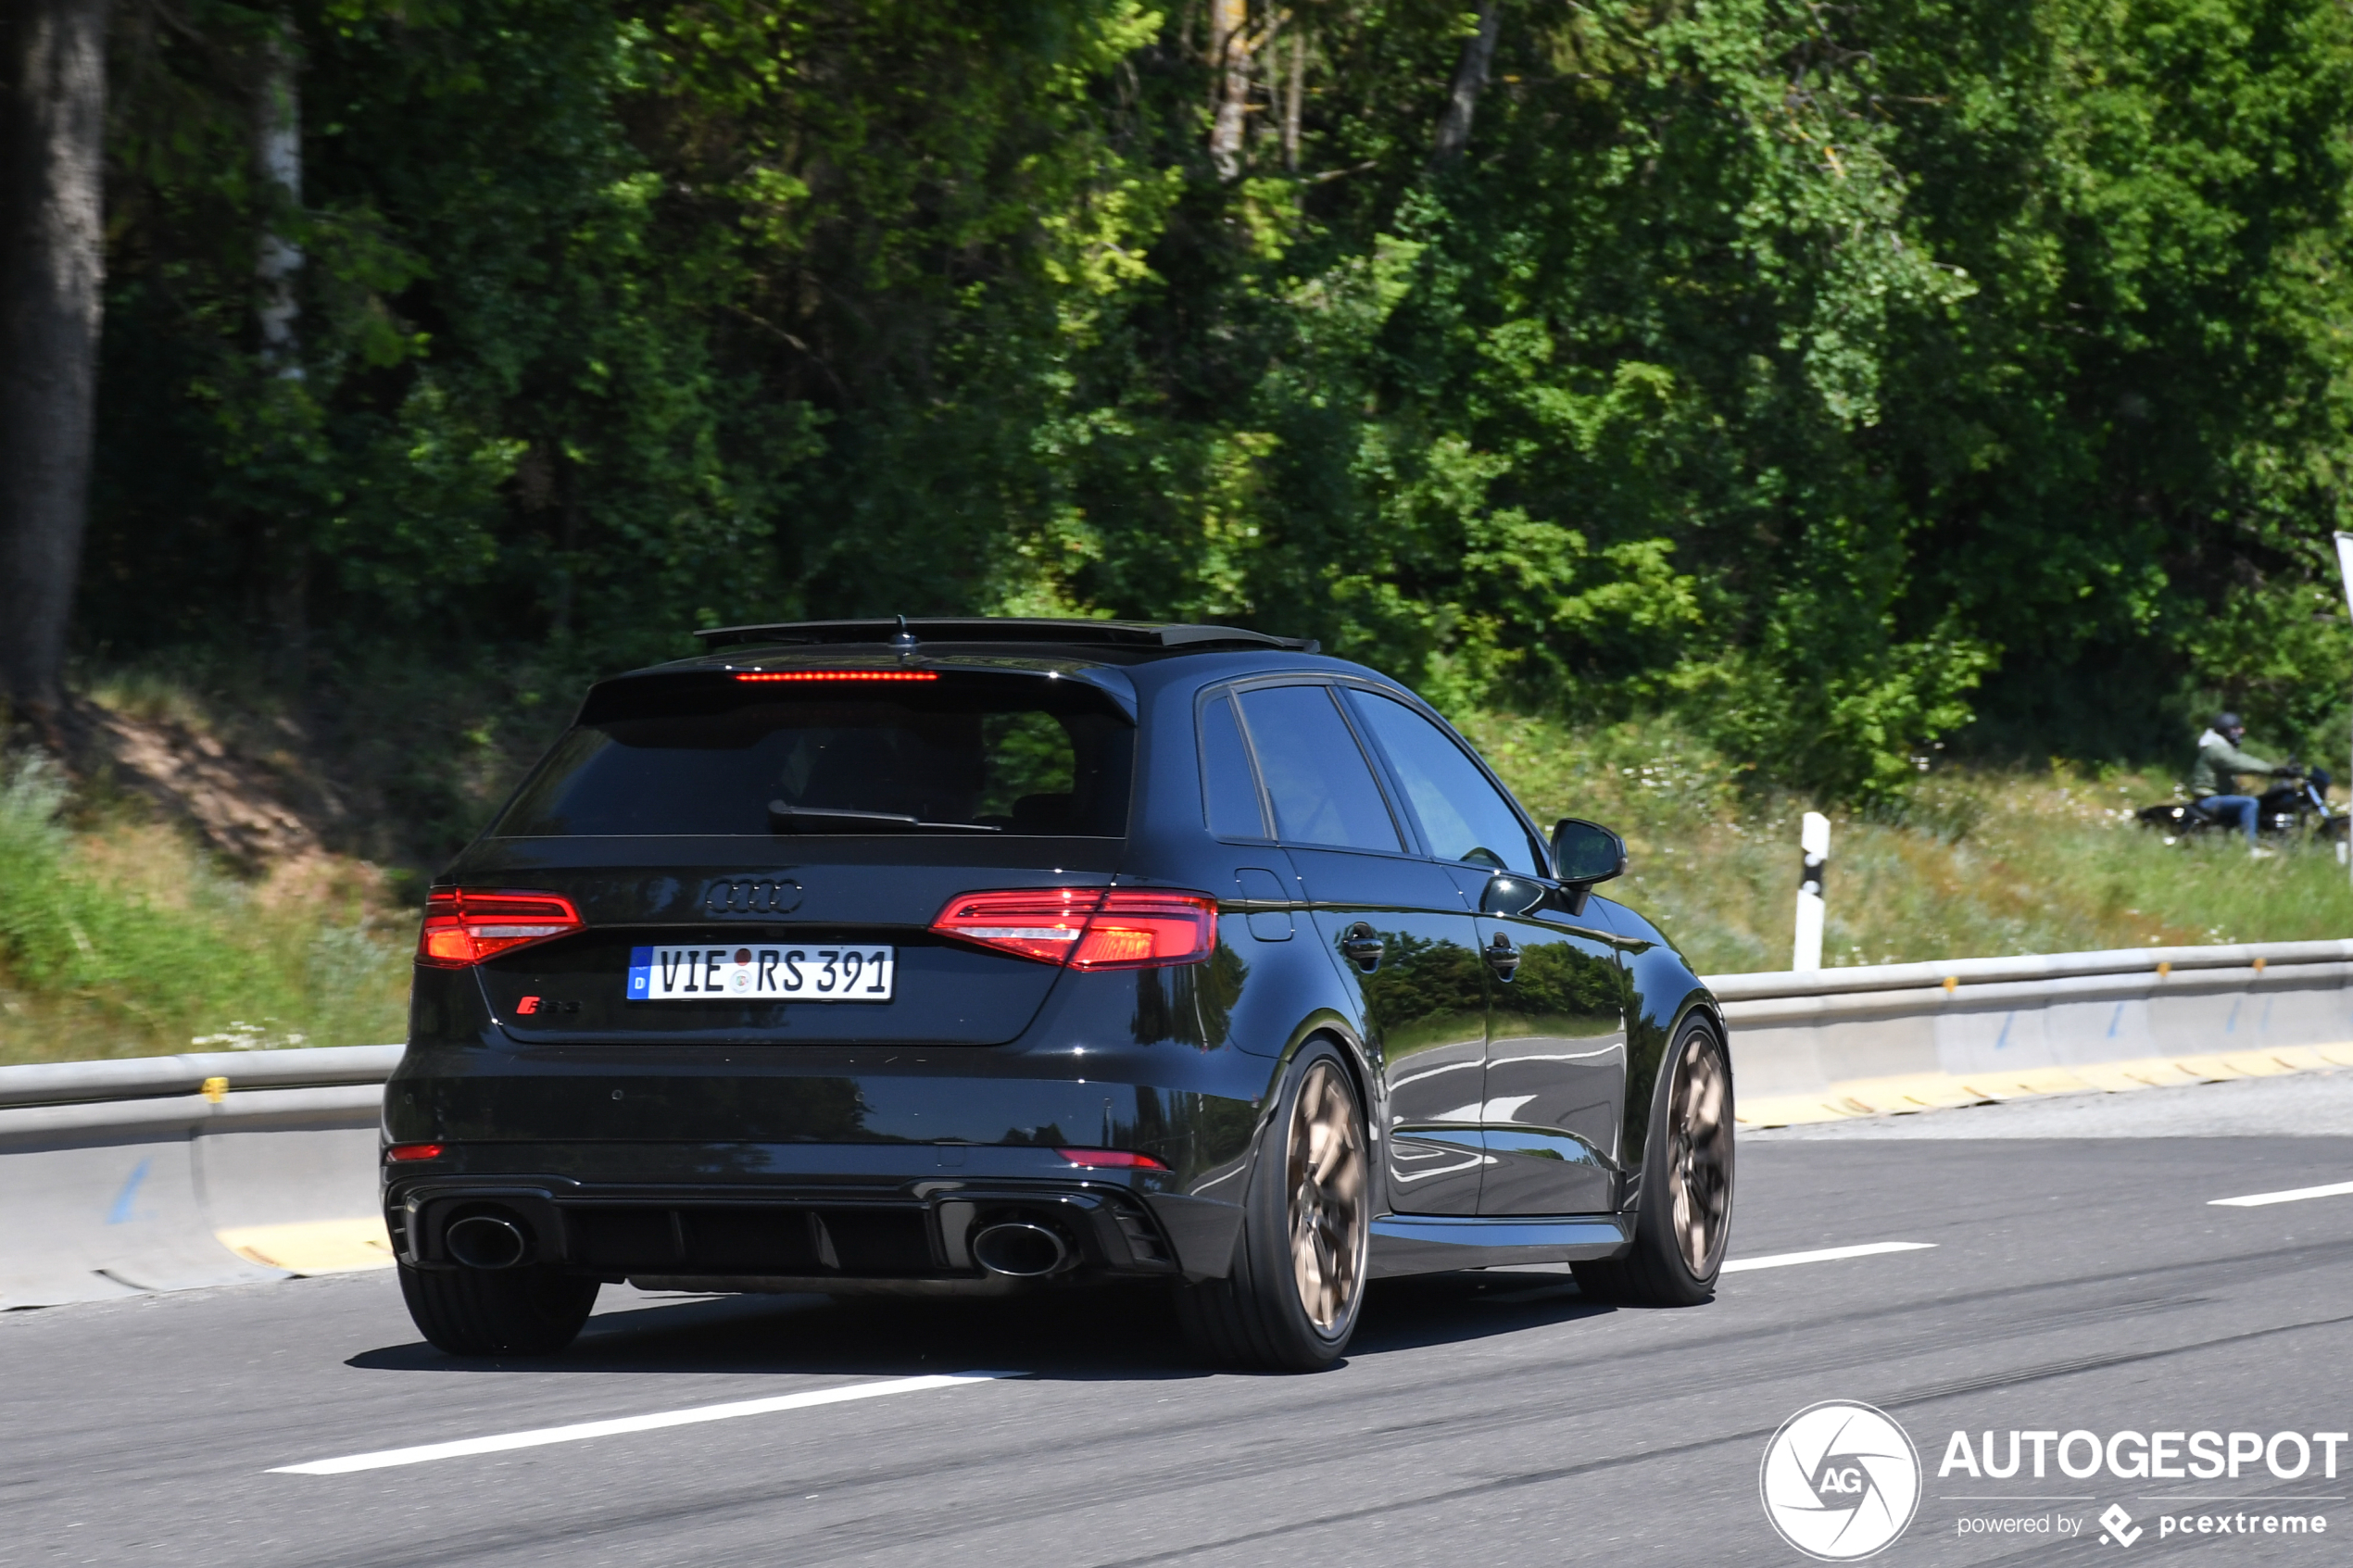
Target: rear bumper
[816,1229]
[838,1164]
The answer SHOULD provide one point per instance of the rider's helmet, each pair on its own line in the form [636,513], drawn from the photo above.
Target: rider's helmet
[2229,724]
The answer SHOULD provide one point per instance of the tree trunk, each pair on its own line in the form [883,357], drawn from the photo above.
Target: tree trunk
[1291,100]
[277,156]
[1229,63]
[53,111]
[567,545]
[1470,79]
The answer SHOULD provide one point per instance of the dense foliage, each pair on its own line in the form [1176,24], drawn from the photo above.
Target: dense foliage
[1836,377]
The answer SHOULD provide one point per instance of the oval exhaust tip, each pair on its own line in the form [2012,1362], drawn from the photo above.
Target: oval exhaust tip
[1019,1249]
[486,1241]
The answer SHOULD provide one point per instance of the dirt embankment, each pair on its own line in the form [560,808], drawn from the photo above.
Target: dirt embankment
[270,812]
[239,807]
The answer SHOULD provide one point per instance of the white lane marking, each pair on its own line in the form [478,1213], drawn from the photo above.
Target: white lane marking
[2293,1195]
[1783,1260]
[426,1452]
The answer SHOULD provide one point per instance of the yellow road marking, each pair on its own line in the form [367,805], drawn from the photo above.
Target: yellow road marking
[1929,1091]
[314,1246]
[2018,1085]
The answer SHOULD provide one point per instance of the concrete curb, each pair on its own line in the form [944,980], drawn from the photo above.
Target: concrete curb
[165,1173]
[1810,1049]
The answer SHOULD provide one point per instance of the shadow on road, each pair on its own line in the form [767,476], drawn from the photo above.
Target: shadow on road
[1408,1314]
[1104,1333]
[1090,1334]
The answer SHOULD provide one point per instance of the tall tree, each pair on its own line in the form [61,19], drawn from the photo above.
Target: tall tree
[1470,80]
[1788,366]
[53,111]
[1229,52]
[277,158]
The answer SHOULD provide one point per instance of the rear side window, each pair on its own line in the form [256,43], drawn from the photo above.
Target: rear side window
[1229,793]
[1463,815]
[949,758]
[1316,777]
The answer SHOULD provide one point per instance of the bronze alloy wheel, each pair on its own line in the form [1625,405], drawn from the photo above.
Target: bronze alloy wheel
[1699,1174]
[1327,1185]
[1683,1219]
[1291,1298]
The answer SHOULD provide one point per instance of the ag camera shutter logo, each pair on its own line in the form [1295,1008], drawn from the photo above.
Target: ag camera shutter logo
[1840,1481]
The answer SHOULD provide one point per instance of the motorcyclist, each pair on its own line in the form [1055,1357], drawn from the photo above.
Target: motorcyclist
[2214,782]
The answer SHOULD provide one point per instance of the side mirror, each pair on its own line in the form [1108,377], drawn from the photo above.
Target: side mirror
[1585,853]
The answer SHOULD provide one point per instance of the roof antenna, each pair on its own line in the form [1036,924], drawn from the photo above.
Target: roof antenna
[902,639]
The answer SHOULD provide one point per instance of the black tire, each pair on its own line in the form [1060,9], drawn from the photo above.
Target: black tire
[1683,1220]
[1298,1280]
[526,1312]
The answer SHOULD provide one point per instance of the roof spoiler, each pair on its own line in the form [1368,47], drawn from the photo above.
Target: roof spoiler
[903,632]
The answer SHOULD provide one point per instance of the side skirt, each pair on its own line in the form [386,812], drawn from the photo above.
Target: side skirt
[1423,1244]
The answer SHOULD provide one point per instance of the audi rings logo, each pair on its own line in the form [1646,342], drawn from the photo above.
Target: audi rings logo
[748,897]
[1840,1481]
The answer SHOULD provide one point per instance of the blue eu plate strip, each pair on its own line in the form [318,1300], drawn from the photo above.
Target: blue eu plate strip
[641,972]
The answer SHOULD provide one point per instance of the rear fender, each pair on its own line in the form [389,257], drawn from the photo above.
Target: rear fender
[1328,1025]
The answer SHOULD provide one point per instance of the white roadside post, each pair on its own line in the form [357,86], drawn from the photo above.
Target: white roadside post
[2345,571]
[1814,838]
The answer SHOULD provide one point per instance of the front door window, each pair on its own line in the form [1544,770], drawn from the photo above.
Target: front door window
[1463,815]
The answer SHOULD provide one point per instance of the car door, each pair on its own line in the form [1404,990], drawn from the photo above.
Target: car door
[1556,1055]
[1403,939]
[1555,1085]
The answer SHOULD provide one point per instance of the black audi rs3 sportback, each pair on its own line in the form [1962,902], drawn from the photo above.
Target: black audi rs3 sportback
[943,957]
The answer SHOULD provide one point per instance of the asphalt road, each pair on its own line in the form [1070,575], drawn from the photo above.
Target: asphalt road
[1483,1419]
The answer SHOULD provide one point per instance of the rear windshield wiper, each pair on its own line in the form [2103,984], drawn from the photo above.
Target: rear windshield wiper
[785,818]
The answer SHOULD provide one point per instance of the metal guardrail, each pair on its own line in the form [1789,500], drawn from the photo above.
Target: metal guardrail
[151,1096]
[2153,963]
[1838,1042]
[149,1077]
[1778,996]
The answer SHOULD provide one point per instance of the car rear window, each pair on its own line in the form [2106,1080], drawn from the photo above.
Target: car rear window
[949,758]
[1229,789]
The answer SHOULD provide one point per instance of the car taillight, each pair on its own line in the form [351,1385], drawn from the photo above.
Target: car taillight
[465,925]
[1087,927]
[1139,930]
[407,1151]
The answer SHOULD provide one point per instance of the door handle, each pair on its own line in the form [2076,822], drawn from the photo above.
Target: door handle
[1503,958]
[1363,946]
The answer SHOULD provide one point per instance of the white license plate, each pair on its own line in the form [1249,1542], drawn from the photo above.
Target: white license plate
[771,971]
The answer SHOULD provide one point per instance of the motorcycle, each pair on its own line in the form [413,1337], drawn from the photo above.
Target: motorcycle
[2296,807]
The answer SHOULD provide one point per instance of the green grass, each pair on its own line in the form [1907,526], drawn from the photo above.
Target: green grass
[119,937]
[1977,863]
